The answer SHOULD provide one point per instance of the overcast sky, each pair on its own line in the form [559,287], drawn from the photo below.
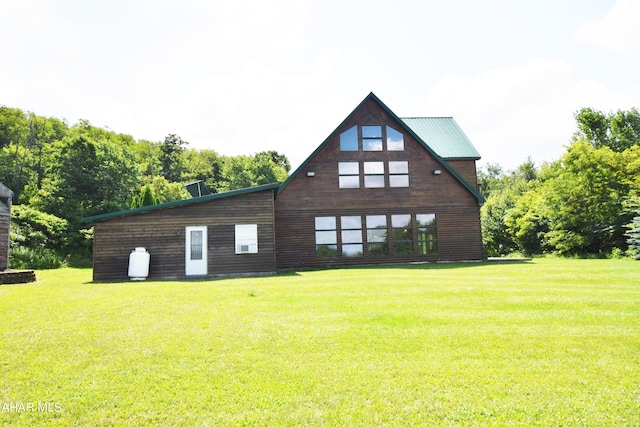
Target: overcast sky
[242,76]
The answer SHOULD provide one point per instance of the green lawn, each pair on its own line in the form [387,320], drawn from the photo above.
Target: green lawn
[549,342]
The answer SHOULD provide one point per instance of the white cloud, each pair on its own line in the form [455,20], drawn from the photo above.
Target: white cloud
[618,31]
[512,113]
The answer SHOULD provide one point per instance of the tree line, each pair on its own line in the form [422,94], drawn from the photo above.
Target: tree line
[61,173]
[584,204]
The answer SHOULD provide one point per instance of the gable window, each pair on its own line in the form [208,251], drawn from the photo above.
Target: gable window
[377,235]
[349,174]
[349,139]
[427,234]
[247,239]
[398,174]
[402,236]
[374,174]
[371,138]
[351,234]
[395,140]
[326,237]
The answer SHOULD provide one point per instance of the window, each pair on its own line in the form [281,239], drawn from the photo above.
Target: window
[349,174]
[402,238]
[349,139]
[374,174]
[196,243]
[326,237]
[371,138]
[398,174]
[351,236]
[247,239]
[395,140]
[377,235]
[427,235]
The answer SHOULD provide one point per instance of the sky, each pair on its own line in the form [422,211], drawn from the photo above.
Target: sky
[244,76]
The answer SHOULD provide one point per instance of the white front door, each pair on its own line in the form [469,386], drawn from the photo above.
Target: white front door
[196,251]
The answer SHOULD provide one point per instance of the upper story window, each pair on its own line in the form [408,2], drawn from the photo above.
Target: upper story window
[349,139]
[349,174]
[399,174]
[395,140]
[371,138]
[374,174]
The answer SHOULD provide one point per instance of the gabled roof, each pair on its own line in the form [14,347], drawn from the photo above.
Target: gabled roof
[445,137]
[409,130]
[181,202]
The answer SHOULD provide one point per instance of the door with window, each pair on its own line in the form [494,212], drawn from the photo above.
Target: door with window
[196,251]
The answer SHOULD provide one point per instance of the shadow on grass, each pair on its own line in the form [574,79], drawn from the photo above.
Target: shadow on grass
[297,272]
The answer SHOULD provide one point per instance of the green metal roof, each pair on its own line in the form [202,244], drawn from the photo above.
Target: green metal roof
[444,136]
[181,202]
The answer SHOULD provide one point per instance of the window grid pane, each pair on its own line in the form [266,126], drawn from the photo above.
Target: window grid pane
[427,234]
[349,139]
[326,237]
[196,245]
[402,234]
[395,140]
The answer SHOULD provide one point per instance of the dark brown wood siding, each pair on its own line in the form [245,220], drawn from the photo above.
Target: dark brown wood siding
[467,170]
[162,233]
[5,219]
[306,197]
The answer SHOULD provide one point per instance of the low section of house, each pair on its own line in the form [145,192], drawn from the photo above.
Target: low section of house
[380,189]
[219,234]
[5,223]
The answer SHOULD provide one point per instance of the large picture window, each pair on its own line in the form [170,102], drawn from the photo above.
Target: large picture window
[427,234]
[326,237]
[402,235]
[349,174]
[351,233]
[377,235]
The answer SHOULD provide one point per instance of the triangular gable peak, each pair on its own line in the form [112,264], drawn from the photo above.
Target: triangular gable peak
[362,115]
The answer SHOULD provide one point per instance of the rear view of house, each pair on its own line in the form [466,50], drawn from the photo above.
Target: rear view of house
[380,189]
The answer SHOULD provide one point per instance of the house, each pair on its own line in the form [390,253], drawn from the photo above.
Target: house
[5,223]
[380,189]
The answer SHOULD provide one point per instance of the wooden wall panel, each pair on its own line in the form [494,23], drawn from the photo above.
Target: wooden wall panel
[162,232]
[5,220]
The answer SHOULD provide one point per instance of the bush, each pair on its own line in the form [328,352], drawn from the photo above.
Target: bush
[21,258]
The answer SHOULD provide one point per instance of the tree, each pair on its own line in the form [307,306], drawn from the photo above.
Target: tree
[145,198]
[618,131]
[633,228]
[172,149]
[584,193]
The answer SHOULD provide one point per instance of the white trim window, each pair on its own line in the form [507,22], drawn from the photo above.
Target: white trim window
[246,239]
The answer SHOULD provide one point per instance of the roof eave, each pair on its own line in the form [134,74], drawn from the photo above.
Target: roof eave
[178,203]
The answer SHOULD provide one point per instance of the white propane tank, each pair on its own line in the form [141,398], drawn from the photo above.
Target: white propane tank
[139,264]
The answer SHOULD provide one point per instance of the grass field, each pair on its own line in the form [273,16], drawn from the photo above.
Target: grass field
[549,342]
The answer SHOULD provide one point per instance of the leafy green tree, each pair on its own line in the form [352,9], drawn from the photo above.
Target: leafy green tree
[172,149]
[633,232]
[584,197]
[618,131]
[504,192]
[145,198]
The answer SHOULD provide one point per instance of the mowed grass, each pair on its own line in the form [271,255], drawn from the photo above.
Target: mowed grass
[547,342]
